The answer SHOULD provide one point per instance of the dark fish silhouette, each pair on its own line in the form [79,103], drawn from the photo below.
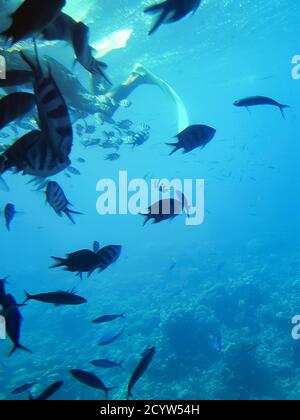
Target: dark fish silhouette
[108,255]
[58,201]
[13,320]
[107,318]
[113,157]
[91,380]
[166,209]
[172,11]
[3,296]
[57,298]
[9,214]
[193,137]
[22,389]
[110,338]
[141,368]
[32,17]
[258,101]
[14,106]
[49,392]
[16,78]
[107,364]
[84,261]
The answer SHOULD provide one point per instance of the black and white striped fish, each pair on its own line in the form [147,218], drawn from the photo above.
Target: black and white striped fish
[32,155]
[15,106]
[108,255]
[58,201]
[54,118]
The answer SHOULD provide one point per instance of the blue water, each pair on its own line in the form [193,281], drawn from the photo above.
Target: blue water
[236,275]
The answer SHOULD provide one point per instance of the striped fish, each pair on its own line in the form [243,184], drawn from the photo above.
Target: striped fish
[15,106]
[58,201]
[54,117]
[32,155]
[108,255]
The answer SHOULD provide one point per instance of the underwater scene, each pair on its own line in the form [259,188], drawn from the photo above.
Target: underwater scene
[149,162]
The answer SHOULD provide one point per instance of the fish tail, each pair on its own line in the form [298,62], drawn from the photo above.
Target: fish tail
[148,217]
[161,18]
[176,147]
[28,296]
[154,8]
[282,107]
[107,390]
[120,365]
[123,314]
[60,262]
[69,213]
[19,347]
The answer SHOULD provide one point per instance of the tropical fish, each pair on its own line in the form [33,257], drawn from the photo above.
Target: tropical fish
[124,124]
[30,18]
[91,380]
[13,320]
[58,201]
[9,214]
[172,11]
[32,155]
[260,100]
[110,337]
[54,117]
[113,157]
[166,209]
[140,138]
[108,255]
[193,137]
[57,298]
[107,318]
[84,261]
[24,388]
[141,368]
[49,392]
[15,106]
[81,160]
[106,364]
[73,171]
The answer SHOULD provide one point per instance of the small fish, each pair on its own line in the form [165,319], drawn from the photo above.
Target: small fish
[113,157]
[57,298]
[91,380]
[106,364]
[108,318]
[110,337]
[166,209]
[49,392]
[81,160]
[96,246]
[125,103]
[90,129]
[173,266]
[193,137]
[172,11]
[24,388]
[142,367]
[13,324]
[55,196]
[30,19]
[144,127]
[73,171]
[84,261]
[140,138]
[9,214]
[258,101]
[125,124]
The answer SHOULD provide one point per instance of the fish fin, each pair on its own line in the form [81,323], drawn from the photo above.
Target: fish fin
[3,185]
[282,107]
[107,390]
[60,262]
[160,20]
[123,315]
[120,365]
[19,347]
[176,147]
[28,296]
[155,8]
[148,217]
